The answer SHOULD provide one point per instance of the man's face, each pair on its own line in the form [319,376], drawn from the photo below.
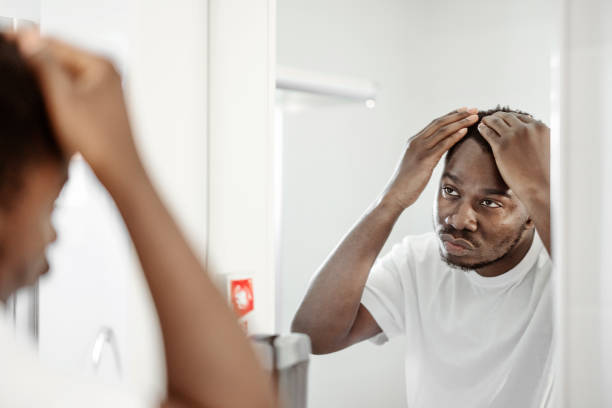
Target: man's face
[478,219]
[26,229]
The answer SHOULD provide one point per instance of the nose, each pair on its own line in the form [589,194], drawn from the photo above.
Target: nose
[464,217]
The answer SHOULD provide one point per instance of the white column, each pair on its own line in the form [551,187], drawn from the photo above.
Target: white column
[581,206]
[243,194]
[166,80]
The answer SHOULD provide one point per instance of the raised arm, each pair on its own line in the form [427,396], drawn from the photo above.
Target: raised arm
[209,360]
[331,312]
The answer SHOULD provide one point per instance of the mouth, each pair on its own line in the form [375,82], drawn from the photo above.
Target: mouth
[456,246]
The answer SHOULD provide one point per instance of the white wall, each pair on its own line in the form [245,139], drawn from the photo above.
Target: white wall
[429,57]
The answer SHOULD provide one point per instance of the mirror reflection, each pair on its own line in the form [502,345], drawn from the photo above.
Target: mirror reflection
[433,263]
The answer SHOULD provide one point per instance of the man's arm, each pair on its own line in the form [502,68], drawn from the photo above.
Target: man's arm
[209,360]
[331,312]
[521,146]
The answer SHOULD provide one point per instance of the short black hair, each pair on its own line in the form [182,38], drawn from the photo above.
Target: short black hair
[474,134]
[25,131]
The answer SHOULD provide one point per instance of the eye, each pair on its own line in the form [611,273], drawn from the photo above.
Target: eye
[490,204]
[449,191]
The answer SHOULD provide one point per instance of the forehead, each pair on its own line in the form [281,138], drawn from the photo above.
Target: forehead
[473,166]
[42,182]
[48,177]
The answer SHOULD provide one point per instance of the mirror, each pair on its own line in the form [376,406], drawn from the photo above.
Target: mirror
[340,148]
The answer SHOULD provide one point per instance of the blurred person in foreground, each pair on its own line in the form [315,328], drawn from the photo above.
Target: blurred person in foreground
[56,100]
[474,296]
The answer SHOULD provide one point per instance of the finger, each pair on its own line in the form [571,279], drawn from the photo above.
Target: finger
[29,42]
[489,134]
[525,118]
[70,58]
[51,75]
[450,117]
[496,123]
[450,141]
[510,119]
[53,79]
[450,129]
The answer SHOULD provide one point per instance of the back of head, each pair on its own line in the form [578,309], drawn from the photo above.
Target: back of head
[25,132]
[474,134]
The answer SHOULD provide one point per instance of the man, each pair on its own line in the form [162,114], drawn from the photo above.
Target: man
[473,297]
[81,108]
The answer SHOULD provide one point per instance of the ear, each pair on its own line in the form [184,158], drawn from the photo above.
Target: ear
[530,224]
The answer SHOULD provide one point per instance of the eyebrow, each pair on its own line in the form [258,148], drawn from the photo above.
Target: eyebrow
[494,191]
[486,191]
[452,177]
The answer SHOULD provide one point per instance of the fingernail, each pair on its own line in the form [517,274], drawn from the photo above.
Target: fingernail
[462,109]
[462,131]
[29,42]
[472,117]
[473,110]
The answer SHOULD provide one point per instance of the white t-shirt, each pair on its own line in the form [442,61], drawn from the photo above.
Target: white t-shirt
[26,383]
[473,341]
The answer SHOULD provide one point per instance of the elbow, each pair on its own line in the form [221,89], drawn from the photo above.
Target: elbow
[299,326]
[319,345]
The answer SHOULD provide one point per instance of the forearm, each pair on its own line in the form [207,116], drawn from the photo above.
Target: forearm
[330,306]
[537,202]
[207,355]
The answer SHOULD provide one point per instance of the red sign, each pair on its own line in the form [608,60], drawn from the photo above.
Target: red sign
[241,291]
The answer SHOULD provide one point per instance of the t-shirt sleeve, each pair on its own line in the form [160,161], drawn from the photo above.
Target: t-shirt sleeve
[385,293]
[26,382]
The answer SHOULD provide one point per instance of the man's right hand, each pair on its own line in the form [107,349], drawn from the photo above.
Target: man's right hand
[84,100]
[423,153]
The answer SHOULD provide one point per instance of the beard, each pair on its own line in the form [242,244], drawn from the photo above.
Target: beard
[467,266]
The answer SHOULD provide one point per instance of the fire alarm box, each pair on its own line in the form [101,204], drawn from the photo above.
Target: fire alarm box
[239,291]
[242,296]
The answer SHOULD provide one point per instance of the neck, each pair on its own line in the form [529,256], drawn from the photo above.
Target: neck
[511,259]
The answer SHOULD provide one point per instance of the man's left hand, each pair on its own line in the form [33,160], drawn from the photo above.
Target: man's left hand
[521,147]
